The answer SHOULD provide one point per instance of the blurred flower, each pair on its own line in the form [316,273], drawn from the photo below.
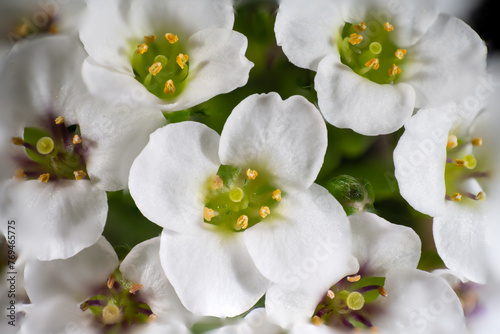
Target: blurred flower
[245,211]
[171,54]
[378,60]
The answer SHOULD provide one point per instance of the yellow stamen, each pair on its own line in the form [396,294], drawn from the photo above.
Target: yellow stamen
[456,197]
[277,195]
[264,211]
[150,39]
[394,70]
[19,174]
[155,68]
[181,60]
[77,139]
[360,27]
[142,48]
[169,87]
[374,329]
[373,63]
[44,178]
[388,26]
[480,196]
[353,279]
[317,321]
[59,120]
[217,183]
[84,306]
[135,288]
[477,141]
[152,317]
[400,53]
[242,222]
[111,314]
[382,291]
[460,163]
[54,29]
[452,142]
[208,214]
[252,174]
[330,294]
[111,281]
[18,141]
[171,38]
[355,39]
[79,175]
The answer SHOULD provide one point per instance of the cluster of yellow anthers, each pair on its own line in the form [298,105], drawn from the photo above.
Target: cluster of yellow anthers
[157,66]
[45,146]
[376,48]
[469,162]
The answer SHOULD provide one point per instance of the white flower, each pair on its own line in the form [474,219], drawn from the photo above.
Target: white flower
[378,60]
[386,292]
[60,152]
[173,54]
[241,209]
[86,293]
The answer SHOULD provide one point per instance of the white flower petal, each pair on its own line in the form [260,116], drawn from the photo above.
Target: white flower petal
[419,302]
[56,219]
[348,100]
[74,277]
[168,178]
[155,328]
[306,30]
[310,240]
[142,266]
[211,272]
[460,239]
[380,246]
[420,159]
[446,63]
[286,138]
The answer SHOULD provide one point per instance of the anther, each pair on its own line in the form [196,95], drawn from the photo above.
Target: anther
[277,195]
[388,26]
[135,288]
[84,306]
[79,174]
[59,120]
[208,214]
[252,174]
[355,39]
[382,291]
[44,178]
[171,38]
[264,211]
[18,141]
[480,196]
[77,139]
[169,87]
[452,142]
[217,183]
[360,27]
[181,60]
[142,48]
[111,314]
[477,141]
[152,317]
[316,321]
[330,294]
[155,68]
[353,279]
[45,145]
[460,162]
[400,53]
[394,70]
[373,63]
[19,174]
[111,281]
[456,197]
[150,39]
[242,222]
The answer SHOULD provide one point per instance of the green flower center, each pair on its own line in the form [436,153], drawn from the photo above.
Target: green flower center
[118,306]
[237,198]
[370,52]
[462,166]
[161,65]
[346,304]
[52,153]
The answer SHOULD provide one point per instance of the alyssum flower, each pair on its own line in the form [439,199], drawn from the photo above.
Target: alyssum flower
[60,153]
[173,54]
[378,60]
[241,210]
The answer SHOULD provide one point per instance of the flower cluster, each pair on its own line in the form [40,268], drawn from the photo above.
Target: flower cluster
[174,166]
